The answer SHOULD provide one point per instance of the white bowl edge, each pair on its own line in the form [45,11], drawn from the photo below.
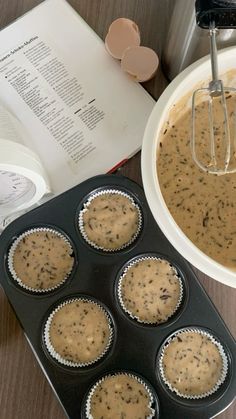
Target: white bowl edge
[183,83]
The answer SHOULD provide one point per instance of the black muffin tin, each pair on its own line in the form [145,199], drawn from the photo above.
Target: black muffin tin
[136,346]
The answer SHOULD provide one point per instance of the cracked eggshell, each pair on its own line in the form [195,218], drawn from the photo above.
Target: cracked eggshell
[122,34]
[141,63]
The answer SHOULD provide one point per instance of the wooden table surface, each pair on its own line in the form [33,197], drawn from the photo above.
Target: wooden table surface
[24,391]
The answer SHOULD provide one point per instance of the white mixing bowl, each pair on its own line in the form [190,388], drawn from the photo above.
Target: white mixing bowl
[185,82]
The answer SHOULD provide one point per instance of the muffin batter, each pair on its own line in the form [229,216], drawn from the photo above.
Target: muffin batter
[42,260]
[120,396]
[202,204]
[79,331]
[192,363]
[150,290]
[110,221]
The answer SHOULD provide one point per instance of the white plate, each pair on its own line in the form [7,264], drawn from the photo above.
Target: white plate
[185,82]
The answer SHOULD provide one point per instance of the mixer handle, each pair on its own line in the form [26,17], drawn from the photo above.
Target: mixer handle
[222,12]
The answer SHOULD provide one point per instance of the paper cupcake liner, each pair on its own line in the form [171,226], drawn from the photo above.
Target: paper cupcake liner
[56,355]
[94,387]
[119,290]
[221,352]
[10,260]
[86,205]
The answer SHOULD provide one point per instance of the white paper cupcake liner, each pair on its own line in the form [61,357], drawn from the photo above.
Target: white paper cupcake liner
[85,208]
[94,387]
[221,352]
[56,355]
[10,260]
[119,289]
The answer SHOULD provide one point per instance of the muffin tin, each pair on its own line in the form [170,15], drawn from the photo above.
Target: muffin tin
[135,347]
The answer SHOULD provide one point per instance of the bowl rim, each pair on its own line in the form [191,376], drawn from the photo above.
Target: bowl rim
[174,91]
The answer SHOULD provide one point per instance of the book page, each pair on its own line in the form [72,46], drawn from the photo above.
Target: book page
[10,128]
[83,114]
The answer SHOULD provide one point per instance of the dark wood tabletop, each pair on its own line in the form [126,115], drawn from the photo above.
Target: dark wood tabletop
[24,390]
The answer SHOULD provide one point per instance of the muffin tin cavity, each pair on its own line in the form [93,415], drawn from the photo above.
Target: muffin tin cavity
[124,392]
[110,219]
[193,363]
[41,259]
[78,332]
[150,289]
[133,340]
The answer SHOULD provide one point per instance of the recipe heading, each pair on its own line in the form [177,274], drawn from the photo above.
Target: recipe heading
[12,52]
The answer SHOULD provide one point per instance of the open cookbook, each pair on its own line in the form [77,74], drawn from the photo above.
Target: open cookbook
[81,114]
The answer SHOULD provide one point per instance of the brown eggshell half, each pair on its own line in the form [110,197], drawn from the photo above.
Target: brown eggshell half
[141,63]
[122,33]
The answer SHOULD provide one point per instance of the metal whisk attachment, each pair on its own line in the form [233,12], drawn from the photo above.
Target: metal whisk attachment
[213,138]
